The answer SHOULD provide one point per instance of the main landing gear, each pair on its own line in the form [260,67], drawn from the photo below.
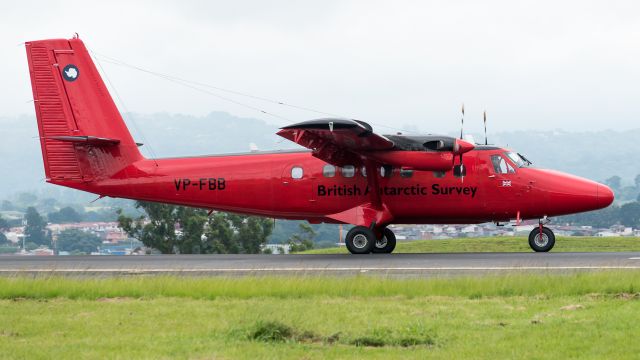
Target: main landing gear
[363,240]
[541,238]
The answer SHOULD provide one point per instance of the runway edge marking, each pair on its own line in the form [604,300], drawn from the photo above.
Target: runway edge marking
[336,269]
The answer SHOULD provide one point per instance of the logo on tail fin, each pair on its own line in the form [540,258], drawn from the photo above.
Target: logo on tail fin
[70,72]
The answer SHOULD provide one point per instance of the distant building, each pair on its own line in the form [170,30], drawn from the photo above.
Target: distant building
[278,248]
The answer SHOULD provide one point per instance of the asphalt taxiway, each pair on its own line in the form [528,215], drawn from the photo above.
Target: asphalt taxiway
[340,264]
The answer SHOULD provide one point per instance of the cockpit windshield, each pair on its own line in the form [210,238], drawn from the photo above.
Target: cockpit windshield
[519,159]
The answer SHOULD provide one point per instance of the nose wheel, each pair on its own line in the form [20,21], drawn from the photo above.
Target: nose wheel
[541,239]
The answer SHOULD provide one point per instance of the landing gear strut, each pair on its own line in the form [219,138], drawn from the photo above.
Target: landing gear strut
[541,238]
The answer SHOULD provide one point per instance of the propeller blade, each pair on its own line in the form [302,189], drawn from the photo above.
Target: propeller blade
[462,122]
[485,128]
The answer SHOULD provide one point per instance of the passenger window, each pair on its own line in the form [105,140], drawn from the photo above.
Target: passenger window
[406,173]
[438,174]
[297,172]
[329,171]
[501,166]
[363,171]
[348,171]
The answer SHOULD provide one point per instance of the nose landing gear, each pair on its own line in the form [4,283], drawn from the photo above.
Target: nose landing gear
[363,240]
[541,239]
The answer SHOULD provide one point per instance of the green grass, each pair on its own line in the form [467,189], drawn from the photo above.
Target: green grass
[505,244]
[578,315]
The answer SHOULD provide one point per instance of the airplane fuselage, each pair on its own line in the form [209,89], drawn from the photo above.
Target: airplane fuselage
[266,184]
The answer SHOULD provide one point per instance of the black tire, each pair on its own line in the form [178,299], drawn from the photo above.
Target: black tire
[386,244]
[360,240]
[542,245]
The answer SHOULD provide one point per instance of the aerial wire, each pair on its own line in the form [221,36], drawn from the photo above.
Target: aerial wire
[124,106]
[196,85]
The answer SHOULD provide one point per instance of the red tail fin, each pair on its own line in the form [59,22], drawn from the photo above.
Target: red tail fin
[82,134]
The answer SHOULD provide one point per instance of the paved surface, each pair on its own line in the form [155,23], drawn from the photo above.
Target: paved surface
[394,264]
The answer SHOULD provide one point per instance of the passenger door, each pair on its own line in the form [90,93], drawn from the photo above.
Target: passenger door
[297,186]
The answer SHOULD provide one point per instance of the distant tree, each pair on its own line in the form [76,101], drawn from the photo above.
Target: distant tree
[627,193]
[191,222]
[199,234]
[27,199]
[7,205]
[160,231]
[302,240]
[100,215]
[614,182]
[64,216]
[600,218]
[77,241]
[220,235]
[4,226]
[251,232]
[35,231]
[630,214]
[48,205]
[637,181]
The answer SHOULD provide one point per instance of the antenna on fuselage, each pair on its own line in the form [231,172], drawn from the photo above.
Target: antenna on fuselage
[485,127]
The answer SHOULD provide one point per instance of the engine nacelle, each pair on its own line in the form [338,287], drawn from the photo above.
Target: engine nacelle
[415,160]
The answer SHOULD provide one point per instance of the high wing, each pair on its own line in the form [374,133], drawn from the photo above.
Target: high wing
[343,142]
[337,141]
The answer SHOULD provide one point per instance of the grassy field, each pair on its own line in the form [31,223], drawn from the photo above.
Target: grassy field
[505,244]
[582,315]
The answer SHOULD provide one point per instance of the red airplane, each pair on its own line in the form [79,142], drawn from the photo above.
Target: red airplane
[348,175]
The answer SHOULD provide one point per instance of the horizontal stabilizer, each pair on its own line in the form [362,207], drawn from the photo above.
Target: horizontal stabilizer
[87,140]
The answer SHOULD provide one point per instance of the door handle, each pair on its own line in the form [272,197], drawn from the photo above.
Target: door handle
[492,176]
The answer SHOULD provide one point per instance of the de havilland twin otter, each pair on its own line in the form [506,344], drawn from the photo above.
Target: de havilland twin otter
[348,175]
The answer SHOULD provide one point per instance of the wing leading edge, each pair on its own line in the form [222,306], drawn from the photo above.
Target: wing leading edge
[343,142]
[337,141]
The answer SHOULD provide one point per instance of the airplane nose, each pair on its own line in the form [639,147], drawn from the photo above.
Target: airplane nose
[604,196]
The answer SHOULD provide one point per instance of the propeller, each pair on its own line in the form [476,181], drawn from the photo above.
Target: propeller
[485,127]
[457,146]
[462,122]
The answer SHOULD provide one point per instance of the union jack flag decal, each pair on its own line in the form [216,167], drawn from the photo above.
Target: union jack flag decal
[506,183]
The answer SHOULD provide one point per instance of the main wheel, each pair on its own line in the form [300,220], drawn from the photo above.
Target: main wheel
[541,242]
[360,240]
[386,243]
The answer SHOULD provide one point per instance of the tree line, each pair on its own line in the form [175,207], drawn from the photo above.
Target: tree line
[168,229]
[172,229]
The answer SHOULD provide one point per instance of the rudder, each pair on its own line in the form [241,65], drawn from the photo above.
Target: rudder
[82,134]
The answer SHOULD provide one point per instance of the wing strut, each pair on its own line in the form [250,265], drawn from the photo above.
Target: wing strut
[373,214]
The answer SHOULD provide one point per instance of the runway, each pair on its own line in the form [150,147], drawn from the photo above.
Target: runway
[402,265]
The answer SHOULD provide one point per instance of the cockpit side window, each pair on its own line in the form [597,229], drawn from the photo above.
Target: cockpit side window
[501,166]
[518,159]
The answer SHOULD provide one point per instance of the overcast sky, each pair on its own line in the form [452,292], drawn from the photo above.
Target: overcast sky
[531,64]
